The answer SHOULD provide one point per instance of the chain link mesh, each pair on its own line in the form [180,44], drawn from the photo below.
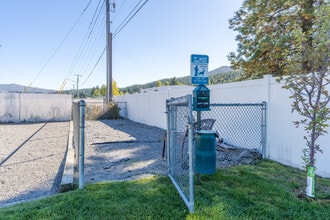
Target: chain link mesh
[239,125]
[180,167]
[76,121]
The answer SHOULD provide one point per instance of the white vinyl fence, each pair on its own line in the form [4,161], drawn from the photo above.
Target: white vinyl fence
[284,142]
[34,107]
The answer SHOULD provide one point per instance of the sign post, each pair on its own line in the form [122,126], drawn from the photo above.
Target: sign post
[199,76]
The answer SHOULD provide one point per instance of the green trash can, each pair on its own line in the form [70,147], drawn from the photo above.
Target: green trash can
[205,152]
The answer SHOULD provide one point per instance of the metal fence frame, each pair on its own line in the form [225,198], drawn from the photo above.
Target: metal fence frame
[245,121]
[78,117]
[179,157]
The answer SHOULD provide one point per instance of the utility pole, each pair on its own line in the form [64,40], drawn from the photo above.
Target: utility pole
[77,83]
[109,53]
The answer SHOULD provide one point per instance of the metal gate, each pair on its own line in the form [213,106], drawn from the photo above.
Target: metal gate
[240,125]
[180,147]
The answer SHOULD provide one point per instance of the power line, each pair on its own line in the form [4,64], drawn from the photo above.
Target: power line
[123,24]
[118,11]
[59,46]
[97,62]
[127,20]
[85,42]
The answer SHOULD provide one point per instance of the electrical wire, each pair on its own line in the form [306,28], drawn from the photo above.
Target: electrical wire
[122,25]
[97,62]
[118,11]
[26,89]
[84,45]
[127,20]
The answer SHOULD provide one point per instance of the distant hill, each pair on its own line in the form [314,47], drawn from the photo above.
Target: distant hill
[219,75]
[19,88]
[220,70]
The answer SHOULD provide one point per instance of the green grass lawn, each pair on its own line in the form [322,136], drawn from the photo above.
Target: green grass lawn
[266,190]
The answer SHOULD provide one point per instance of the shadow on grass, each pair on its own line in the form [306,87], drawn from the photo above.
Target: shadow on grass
[242,192]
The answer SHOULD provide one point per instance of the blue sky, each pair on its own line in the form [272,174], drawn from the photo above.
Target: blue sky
[41,45]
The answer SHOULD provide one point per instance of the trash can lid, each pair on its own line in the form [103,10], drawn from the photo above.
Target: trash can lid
[206,132]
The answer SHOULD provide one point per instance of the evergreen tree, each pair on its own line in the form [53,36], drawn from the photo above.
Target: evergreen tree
[266,29]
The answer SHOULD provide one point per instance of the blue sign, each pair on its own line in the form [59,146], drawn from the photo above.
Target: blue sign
[199,69]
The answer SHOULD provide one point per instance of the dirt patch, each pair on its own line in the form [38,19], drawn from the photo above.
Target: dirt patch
[229,156]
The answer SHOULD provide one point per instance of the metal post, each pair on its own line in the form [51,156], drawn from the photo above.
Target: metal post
[81,143]
[77,85]
[109,54]
[168,133]
[264,131]
[191,153]
[199,116]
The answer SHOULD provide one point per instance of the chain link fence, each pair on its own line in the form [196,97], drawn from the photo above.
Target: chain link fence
[179,150]
[239,125]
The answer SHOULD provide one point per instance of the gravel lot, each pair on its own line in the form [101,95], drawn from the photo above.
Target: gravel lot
[31,160]
[32,156]
[122,150]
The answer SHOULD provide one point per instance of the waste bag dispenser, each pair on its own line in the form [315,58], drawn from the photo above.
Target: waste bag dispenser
[205,152]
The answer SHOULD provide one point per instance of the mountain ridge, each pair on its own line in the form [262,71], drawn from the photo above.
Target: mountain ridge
[16,88]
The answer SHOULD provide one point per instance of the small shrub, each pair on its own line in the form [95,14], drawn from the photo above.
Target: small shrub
[111,112]
[95,112]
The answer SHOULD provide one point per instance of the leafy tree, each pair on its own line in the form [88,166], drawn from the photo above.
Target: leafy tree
[103,90]
[96,91]
[265,29]
[115,90]
[309,89]
[174,81]
[158,83]
[289,37]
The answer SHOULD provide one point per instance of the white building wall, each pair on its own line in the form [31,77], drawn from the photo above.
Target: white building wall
[284,141]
